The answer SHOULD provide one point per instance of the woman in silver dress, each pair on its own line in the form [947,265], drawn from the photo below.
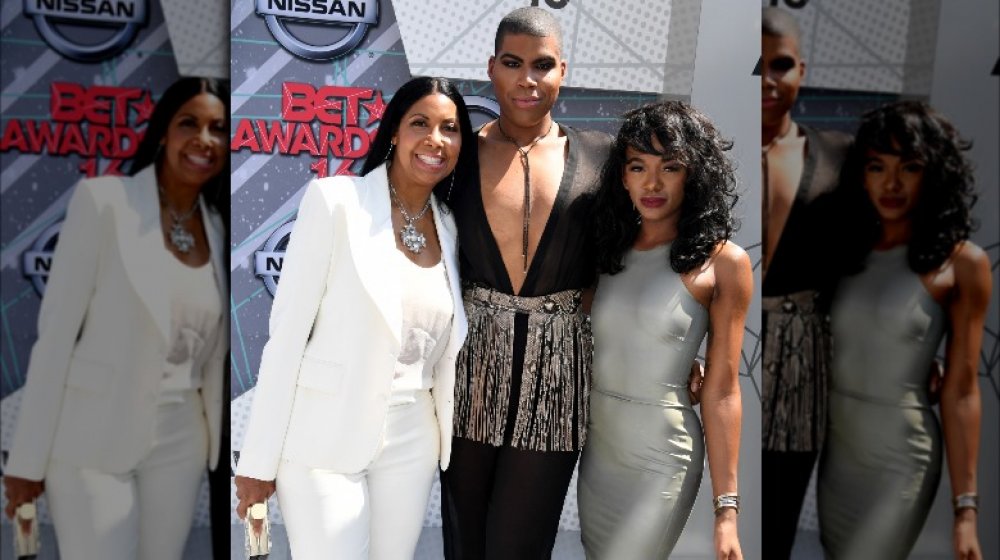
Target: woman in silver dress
[910,279]
[670,274]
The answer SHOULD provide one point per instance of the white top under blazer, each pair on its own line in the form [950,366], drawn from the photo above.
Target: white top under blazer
[195,311]
[427,314]
[326,372]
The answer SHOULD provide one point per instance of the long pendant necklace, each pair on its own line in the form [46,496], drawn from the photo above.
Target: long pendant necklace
[526,166]
[408,234]
[180,237]
[766,195]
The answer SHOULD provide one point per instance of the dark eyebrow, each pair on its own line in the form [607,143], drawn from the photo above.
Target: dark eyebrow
[421,115]
[511,56]
[546,58]
[634,158]
[782,61]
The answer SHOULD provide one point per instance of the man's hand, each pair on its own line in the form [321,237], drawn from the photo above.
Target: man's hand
[695,381]
[937,381]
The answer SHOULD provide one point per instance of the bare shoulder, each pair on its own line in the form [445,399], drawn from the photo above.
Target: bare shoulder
[733,274]
[729,258]
[972,268]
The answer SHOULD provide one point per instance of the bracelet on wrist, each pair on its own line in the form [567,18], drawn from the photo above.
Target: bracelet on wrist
[723,501]
[968,500]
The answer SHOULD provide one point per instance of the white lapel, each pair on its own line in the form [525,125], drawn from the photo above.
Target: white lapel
[448,237]
[215,232]
[372,245]
[140,238]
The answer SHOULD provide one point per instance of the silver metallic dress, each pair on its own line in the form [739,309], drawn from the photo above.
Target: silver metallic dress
[881,463]
[642,464]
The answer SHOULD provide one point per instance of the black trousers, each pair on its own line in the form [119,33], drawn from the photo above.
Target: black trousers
[784,480]
[502,503]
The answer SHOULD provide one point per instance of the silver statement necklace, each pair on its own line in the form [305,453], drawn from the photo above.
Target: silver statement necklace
[408,234]
[180,237]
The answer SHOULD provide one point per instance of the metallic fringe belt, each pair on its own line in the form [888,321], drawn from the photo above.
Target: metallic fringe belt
[555,380]
[796,366]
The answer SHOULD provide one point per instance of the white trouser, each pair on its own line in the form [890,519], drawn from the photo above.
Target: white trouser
[377,513]
[144,513]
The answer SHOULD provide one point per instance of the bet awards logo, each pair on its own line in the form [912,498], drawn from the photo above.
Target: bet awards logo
[267,262]
[358,15]
[37,261]
[92,43]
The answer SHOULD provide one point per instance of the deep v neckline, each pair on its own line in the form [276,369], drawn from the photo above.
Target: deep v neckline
[795,210]
[557,205]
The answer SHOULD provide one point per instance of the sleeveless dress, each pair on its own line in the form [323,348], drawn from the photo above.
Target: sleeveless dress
[881,464]
[642,464]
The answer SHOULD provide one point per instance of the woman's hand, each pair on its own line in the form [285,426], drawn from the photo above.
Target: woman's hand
[965,536]
[20,491]
[250,491]
[727,543]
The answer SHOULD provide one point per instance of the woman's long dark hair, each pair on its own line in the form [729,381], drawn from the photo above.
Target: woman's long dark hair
[706,216]
[941,218]
[216,191]
[404,98]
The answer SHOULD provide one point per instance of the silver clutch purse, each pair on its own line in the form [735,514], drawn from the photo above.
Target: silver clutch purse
[258,544]
[26,531]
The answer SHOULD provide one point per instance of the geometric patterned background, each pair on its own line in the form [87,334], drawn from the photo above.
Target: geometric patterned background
[609,44]
[885,46]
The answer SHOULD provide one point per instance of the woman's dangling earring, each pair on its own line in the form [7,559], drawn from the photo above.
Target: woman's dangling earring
[388,155]
[451,186]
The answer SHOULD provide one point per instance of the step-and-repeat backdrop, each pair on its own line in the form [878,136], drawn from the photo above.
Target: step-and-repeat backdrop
[309,88]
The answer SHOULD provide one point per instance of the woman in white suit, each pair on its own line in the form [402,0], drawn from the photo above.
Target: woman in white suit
[352,410]
[122,405]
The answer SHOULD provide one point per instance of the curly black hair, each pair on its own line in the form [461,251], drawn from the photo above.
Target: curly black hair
[706,216]
[941,218]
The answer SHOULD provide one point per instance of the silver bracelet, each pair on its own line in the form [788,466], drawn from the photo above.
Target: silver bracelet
[723,501]
[969,500]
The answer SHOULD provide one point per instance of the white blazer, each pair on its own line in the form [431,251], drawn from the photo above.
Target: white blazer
[94,378]
[326,373]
